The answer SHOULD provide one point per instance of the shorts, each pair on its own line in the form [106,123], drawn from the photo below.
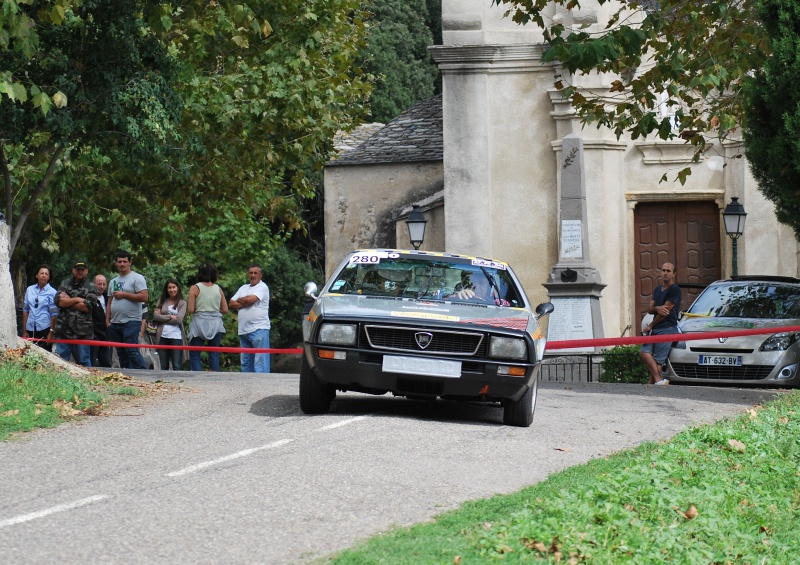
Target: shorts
[660,351]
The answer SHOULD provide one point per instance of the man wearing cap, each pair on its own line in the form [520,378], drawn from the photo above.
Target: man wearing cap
[75,298]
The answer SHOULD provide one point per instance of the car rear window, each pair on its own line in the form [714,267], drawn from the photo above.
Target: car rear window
[749,300]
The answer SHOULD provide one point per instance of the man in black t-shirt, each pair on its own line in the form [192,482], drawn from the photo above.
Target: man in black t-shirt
[665,306]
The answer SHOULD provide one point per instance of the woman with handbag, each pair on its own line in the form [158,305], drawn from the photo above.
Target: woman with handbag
[207,304]
[169,313]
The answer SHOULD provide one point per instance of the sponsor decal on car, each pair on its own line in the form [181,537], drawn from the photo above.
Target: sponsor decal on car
[427,315]
[510,323]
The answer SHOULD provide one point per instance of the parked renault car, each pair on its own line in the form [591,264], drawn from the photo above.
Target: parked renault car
[737,304]
[425,326]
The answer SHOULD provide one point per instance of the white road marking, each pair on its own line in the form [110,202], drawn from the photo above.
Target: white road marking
[243,453]
[342,423]
[53,510]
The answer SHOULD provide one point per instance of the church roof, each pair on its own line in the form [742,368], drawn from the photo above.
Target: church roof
[414,135]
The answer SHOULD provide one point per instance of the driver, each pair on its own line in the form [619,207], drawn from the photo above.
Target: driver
[478,286]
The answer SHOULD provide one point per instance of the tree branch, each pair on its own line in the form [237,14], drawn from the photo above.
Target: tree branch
[40,188]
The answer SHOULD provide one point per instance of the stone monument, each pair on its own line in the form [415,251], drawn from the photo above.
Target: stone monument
[574,284]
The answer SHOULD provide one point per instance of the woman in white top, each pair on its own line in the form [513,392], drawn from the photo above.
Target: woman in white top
[169,313]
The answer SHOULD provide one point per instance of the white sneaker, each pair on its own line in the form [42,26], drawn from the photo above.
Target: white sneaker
[662,382]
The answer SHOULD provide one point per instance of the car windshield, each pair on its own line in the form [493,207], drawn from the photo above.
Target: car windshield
[749,300]
[435,278]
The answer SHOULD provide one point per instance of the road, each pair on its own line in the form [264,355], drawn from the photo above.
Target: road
[229,470]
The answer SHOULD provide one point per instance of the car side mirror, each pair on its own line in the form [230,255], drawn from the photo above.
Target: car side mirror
[544,309]
[310,290]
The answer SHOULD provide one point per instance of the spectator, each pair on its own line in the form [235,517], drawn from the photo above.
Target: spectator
[75,298]
[101,355]
[252,303]
[665,305]
[169,313]
[127,292]
[39,309]
[207,305]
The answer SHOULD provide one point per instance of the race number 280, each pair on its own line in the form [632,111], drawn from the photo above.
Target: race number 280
[368,258]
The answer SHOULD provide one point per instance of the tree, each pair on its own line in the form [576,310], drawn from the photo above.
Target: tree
[110,80]
[772,130]
[398,54]
[689,56]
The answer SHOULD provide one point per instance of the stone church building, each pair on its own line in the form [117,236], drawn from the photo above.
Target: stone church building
[502,168]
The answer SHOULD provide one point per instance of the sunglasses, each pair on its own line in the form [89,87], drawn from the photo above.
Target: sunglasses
[36,304]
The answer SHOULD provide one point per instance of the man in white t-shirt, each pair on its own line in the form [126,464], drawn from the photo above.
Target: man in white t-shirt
[251,302]
[126,295]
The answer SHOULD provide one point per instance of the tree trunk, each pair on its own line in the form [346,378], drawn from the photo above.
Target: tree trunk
[8,310]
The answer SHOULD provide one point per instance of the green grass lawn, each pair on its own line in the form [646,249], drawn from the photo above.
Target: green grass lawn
[36,394]
[727,493]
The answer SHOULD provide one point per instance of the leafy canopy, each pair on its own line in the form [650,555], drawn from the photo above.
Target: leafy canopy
[686,56]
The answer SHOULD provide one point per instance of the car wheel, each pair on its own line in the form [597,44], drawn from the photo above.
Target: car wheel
[315,397]
[520,412]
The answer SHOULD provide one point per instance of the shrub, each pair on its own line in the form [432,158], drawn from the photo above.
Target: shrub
[622,364]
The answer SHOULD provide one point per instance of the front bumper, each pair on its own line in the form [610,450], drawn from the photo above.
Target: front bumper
[362,371]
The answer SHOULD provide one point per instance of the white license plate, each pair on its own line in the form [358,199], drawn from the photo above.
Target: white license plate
[720,360]
[421,366]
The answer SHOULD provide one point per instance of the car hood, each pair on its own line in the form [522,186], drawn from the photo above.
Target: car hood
[726,324]
[424,310]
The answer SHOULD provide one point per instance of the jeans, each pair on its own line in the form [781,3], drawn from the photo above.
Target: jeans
[167,355]
[81,353]
[101,356]
[129,357]
[255,362]
[213,358]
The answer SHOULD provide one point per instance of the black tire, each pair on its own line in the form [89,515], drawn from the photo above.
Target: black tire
[520,412]
[315,397]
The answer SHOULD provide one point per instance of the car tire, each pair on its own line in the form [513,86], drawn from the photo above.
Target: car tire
[315,397]
[520,412]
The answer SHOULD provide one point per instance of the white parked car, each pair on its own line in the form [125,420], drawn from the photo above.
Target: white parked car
[742,303]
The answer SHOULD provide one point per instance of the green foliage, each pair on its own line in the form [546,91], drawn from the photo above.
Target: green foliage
[722,493]
[622,364]
[401,32]
[33,395]
[773,104]
[692,57]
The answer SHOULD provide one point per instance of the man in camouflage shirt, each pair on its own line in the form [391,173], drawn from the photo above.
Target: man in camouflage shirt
[75,298]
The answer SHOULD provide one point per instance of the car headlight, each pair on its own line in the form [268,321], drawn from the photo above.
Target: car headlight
[337,334]
[779,342]
[508,348]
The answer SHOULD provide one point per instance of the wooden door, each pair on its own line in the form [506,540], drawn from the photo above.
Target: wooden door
[683,233]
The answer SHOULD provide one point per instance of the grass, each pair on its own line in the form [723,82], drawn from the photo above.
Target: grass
[717,494]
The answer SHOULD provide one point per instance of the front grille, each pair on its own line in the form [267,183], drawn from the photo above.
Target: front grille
[443,342]
[413,386]
[743,373]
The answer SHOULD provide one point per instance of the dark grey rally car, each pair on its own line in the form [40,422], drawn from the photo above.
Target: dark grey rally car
[423,325]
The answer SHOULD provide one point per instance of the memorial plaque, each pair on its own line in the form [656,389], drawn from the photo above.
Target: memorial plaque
[571,319]
[571,240]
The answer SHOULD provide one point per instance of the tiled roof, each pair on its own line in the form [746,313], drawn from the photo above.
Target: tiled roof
[344,141]
[414,135]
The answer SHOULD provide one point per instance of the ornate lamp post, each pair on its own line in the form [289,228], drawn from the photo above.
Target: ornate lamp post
[416,226]
[734,216]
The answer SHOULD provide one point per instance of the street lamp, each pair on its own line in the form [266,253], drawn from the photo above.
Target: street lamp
[734,216]
[416,226]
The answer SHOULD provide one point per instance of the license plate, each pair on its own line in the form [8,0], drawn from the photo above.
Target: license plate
[720,360]
[421,366]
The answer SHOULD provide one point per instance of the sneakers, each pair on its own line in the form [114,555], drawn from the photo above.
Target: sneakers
[662,382]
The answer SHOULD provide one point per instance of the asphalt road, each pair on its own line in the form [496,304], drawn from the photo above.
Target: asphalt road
[229,469]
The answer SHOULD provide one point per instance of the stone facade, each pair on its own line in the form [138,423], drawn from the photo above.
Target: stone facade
[500,173]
